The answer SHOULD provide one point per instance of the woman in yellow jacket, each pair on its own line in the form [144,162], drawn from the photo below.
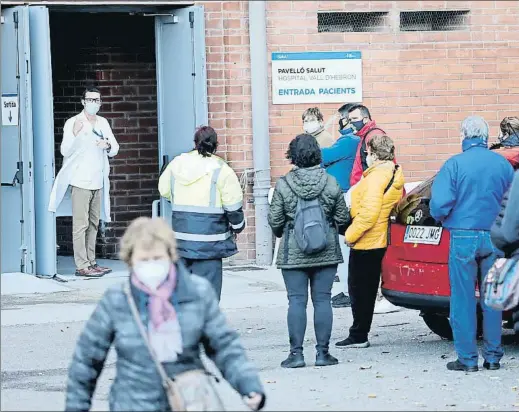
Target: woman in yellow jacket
[207,203]
[380,189]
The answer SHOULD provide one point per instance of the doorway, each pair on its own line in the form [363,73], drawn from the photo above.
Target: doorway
[114,52]
[150,68]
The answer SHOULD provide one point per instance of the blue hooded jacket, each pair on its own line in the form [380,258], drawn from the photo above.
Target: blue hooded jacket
[468,190]
[338,159]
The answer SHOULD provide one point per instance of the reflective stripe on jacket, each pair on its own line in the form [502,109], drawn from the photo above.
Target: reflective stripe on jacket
[207,205]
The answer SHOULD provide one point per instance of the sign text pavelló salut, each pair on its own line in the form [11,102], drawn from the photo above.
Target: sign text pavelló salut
[316,77]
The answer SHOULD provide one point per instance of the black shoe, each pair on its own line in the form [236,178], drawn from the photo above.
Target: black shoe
[343,302]
[458,366]
[325,359]
[336,278]
[294,360]
[491,366]
[338,296]
[350,343]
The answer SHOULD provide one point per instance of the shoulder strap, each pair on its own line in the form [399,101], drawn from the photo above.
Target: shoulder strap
[142,330]
[392,180]
[372,130]
[284,178]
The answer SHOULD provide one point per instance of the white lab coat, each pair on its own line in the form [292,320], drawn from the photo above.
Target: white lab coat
[60,197]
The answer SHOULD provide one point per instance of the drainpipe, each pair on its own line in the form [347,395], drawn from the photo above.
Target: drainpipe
[260,128]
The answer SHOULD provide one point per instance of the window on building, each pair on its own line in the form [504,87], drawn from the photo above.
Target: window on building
[439,20]
[340,22]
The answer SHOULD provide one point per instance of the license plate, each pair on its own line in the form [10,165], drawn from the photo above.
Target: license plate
[427,235]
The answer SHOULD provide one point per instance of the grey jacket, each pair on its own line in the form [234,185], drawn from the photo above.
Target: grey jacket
[137,385]
[308,183]
[505,231]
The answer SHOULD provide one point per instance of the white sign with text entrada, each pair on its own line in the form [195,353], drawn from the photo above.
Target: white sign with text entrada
[317,77]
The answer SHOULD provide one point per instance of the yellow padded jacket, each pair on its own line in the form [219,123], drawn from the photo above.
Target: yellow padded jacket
[371,207]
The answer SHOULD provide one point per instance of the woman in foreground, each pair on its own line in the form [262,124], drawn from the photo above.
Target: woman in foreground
[179,311]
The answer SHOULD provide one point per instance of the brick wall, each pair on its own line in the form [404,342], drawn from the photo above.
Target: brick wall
[418,85]
[108,51]
[229,93]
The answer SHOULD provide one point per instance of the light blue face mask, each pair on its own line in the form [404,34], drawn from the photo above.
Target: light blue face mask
[92,108]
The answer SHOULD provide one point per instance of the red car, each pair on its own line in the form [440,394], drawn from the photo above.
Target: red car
[415,272]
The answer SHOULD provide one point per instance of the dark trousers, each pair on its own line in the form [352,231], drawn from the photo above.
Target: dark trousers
[364,278]
[321,282]
[211,269]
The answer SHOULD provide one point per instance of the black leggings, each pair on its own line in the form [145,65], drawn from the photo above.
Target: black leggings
[364,278]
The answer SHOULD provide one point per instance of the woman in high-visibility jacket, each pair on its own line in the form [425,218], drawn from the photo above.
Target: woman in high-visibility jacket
[207,202]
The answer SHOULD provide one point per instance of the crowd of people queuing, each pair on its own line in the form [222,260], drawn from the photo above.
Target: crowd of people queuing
[331,211]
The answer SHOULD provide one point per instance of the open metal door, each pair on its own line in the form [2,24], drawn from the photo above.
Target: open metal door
[16,150]
[43,140]
[181,82]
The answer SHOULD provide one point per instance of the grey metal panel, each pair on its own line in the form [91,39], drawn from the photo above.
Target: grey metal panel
[43,134]
[17,201]
[181,82]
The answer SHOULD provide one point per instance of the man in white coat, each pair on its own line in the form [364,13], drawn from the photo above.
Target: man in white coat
[82,187]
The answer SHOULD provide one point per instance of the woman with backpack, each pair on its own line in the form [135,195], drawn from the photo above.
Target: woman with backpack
[308,212]
[372,200]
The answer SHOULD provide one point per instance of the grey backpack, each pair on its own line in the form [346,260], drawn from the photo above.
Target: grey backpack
[310,225]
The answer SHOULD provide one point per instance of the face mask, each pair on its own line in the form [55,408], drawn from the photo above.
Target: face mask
[92,108]
[357,125]
[370,160]
[342,123]
[312,127]
[152,272]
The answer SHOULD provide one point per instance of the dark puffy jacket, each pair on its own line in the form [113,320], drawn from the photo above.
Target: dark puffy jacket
[137,385]
[308,183]
[505,231]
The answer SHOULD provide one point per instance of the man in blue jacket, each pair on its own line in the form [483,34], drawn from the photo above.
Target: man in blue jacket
[466,198]
[338,161]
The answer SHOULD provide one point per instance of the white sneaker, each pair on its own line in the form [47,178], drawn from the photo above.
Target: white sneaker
[384,306]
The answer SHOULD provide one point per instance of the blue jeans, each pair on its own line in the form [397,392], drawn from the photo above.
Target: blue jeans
[321,282]
[471,256]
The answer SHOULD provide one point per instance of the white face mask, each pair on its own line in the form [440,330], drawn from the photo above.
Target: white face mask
[371,159]
[152,272]
[92,108]
[312,127]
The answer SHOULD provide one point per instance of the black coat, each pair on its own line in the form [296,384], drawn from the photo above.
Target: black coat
[505,231]
[137,385]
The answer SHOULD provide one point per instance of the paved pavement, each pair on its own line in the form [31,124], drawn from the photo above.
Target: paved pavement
[404,369]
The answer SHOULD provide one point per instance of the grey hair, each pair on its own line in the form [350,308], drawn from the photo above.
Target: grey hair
[383,147]
[474,127]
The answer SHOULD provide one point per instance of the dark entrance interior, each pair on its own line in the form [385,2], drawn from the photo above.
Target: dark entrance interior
[116,53]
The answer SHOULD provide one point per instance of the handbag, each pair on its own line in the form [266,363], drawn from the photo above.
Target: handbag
[502,284]
[192,390]
[391,181]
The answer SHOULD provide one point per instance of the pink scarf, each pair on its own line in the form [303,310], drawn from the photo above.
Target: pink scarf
[163,329]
